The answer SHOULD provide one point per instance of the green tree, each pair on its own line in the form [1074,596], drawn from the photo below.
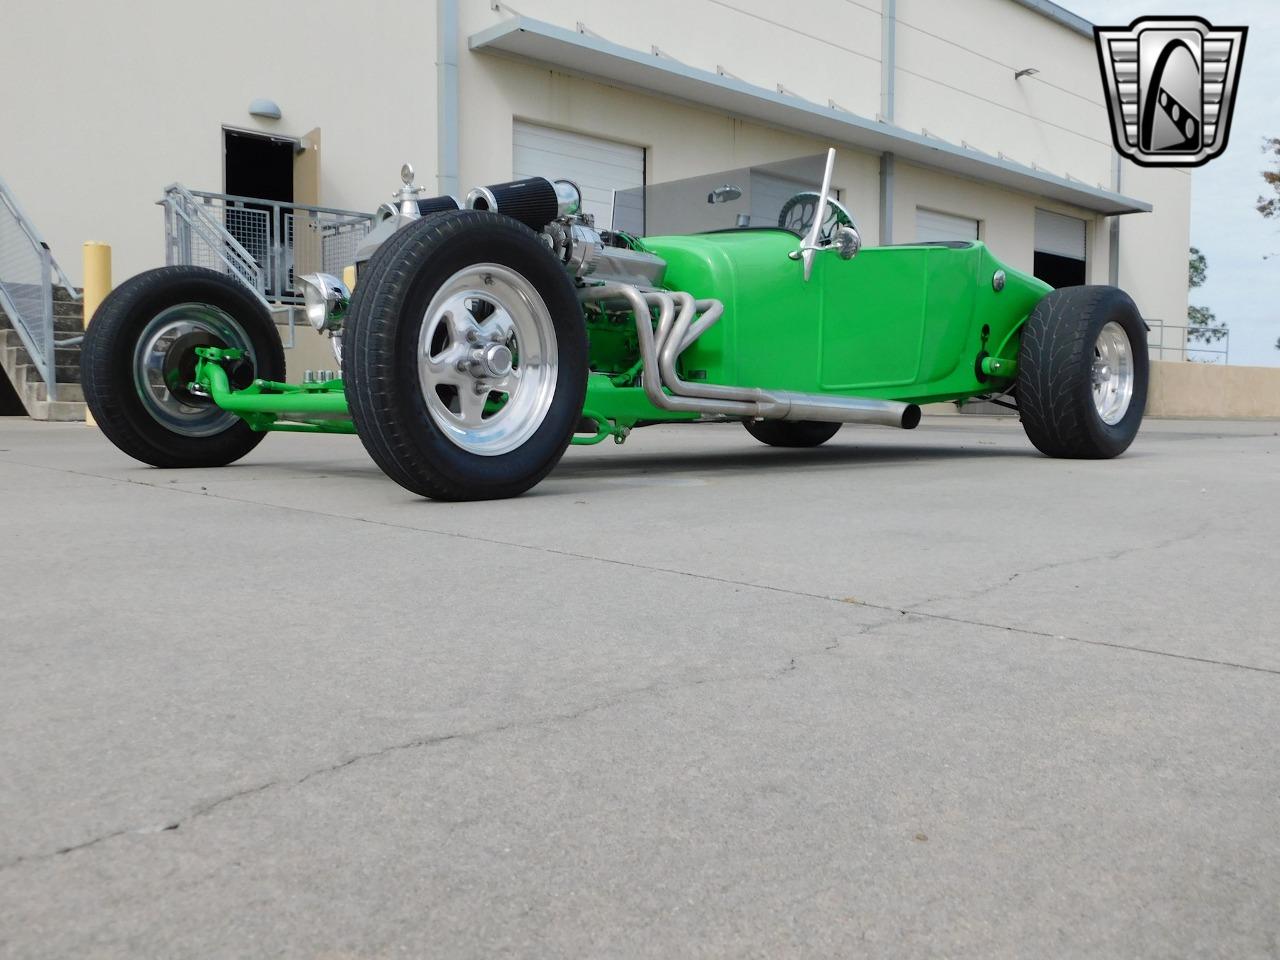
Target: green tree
[1202,325]
[1270,206]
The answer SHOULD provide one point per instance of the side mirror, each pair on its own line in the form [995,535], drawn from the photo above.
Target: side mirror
[725,194]
[847,242]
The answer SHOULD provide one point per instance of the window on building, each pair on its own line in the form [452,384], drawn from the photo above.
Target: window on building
[1059,249]
[933,226]
[599,167]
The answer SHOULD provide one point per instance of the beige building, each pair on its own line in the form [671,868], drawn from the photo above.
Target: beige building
[952,117]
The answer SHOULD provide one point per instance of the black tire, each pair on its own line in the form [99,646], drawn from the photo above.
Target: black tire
[792,433]
[1055,373]
[381,344]
[110,350]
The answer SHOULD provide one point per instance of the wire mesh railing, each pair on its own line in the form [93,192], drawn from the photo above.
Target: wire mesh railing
[263,243]
[196,234]
[1182,342]
[28,272]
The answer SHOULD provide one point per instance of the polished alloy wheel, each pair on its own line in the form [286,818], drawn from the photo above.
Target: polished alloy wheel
[164,365]
[1113,373]
[487,359]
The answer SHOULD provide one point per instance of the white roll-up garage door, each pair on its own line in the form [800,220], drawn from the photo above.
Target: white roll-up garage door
[770,193]
[1059,235]
[933,225]
[598,167]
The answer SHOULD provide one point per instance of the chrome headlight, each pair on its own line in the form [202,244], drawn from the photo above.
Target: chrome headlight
[325,300]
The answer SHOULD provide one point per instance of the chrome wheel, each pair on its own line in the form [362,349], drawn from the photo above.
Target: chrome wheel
[1113,373]
[164,365]
[487,359]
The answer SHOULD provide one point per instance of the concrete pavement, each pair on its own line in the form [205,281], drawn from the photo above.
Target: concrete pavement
[910,694]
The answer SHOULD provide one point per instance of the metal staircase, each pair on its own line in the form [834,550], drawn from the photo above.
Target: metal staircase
[41,320]
[261,243]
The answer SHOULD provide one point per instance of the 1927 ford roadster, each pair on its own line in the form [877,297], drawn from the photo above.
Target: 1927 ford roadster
[482,338]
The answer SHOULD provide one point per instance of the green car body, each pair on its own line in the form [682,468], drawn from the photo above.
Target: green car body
[919,323]
[907,323]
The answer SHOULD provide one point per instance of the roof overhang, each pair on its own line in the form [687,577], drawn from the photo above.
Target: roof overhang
[590,56]
[1061,16]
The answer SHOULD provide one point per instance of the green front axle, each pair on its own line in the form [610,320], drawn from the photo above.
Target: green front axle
[268,405]
[322,407]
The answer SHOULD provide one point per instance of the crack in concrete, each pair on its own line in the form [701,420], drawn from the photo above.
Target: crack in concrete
[653,568]
[1056,564]
[418,743]
[790,667]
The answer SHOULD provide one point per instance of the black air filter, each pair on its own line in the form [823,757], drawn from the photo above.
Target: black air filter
[437,205]
[533,202]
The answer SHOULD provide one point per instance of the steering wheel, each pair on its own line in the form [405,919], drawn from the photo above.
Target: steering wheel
[798,212]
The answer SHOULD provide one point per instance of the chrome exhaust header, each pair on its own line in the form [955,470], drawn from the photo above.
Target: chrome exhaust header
[681,321]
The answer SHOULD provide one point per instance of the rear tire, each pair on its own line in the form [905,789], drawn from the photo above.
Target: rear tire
[792,433]
[465,357]
[138,356]
[1082,373]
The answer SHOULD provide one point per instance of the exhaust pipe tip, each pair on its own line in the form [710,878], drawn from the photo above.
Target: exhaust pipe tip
[911,417]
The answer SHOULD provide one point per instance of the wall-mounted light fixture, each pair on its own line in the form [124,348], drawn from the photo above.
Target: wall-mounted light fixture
[1025,72]
[265,109]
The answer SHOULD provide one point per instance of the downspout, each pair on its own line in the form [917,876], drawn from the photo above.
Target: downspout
[1113,247]
[888,56]
[447,97]
[886,199]
[888,68]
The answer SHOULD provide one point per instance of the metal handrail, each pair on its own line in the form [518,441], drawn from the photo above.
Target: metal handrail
[6,195]
[282,204]
[270,233]
[180,203]
[1182,349]
[27,270]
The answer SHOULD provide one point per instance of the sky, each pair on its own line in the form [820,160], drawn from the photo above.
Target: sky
[1243,289]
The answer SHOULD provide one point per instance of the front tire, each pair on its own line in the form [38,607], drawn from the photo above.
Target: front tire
[466,358]
[792,433]
[138,356]
[1082,373]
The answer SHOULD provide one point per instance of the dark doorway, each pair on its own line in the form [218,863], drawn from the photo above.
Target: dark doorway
[257,166]
[260,168]
[1058,271]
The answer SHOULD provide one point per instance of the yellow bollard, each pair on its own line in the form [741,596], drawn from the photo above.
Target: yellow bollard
[97,284]
[349,277]
[97,277]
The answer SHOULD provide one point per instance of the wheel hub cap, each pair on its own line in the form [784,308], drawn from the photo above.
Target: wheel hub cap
[495,361]
[1113,374]
[487,359]
[164,364]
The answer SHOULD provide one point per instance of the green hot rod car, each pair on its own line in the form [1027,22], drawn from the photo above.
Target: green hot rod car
[484,337]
